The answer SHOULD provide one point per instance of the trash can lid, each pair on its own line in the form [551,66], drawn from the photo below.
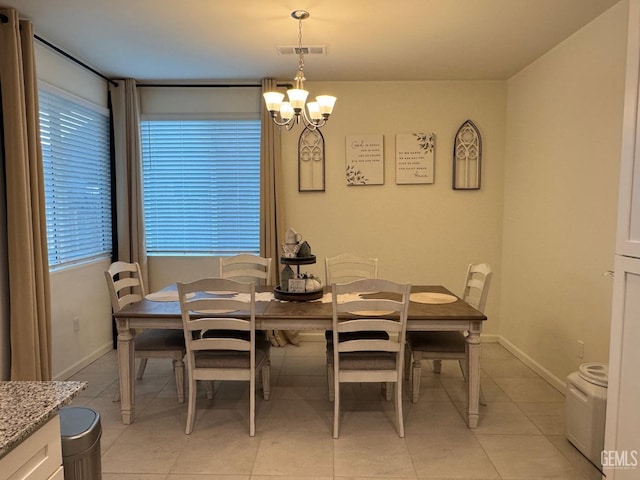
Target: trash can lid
[596,373]
[79,429]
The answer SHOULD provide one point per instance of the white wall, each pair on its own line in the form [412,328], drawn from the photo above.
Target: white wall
[564,116]
[78,291]
[423,234]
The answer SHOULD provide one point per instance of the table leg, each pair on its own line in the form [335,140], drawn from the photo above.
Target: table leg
[473,369]
[126,370]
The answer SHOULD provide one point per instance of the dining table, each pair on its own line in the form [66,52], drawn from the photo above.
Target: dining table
[162,310]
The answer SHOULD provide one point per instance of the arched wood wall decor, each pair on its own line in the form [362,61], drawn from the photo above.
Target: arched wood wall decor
[311,161]
[467,157]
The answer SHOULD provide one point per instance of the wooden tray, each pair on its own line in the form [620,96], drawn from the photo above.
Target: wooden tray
[297,296]
[298,260]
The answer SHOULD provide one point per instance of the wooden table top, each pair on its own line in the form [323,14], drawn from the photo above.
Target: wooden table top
[458,310]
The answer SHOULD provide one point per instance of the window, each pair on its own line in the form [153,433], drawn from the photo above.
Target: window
[201,186]
[77,175]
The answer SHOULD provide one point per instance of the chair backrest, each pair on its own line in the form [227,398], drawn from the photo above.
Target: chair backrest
[246,268]
[203,313]
[125,284]
[476,285]
[355,310]
[348,267]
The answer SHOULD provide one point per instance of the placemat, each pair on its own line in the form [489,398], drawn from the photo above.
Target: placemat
[432,297]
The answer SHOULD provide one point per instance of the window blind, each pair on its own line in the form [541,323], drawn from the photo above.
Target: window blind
[201,186]
[76,160]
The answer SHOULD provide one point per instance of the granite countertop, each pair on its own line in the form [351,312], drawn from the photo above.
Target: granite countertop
[26,406]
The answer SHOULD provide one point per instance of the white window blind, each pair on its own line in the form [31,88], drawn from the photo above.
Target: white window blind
[201,186]
[77,174]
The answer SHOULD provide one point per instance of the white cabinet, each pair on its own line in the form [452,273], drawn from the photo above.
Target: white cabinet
[621,455]
[59,475]
[628,235]
[38,457]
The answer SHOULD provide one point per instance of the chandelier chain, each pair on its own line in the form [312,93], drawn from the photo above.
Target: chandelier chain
[300,54]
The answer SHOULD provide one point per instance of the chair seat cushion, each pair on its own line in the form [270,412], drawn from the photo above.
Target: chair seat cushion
[346,336]
[436,341]
[159,339]
[364,360]
[230,358]
[239,334]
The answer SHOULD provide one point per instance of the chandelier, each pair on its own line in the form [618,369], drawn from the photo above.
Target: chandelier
[293,112]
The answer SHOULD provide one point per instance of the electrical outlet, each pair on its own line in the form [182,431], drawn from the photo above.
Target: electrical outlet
[580,349]
[76,324]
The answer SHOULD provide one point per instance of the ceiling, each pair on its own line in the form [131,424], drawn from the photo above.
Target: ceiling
[198,40]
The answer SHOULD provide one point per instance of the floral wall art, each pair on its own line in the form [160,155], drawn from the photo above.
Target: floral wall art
[414,158]
[365,159]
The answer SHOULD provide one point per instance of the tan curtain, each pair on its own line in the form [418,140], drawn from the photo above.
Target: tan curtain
[129,199]
[272,221]
[29,295]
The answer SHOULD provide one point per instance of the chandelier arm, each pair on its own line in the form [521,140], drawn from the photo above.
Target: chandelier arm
[284,123]
[311,124]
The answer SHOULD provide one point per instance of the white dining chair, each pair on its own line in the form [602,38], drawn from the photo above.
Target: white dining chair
[364,359]
[246,268]
[124,281]
[220,335]
[348,267]
[438,346]
[344,268]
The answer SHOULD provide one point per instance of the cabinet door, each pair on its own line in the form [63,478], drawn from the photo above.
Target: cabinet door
[628,235]
[37,457]
[59,475]
[621,454]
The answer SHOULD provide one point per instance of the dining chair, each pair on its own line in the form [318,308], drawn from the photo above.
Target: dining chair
[125,284]
[344,268]
[246,268]
[364,359]
[438,346]
[348,267]
[215,332]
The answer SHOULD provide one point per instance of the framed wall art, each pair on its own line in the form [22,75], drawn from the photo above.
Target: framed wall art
[414,158]
[365,159]
[311,161]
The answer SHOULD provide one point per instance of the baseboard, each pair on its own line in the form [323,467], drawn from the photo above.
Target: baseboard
[554,381]
[79,365]
[318,336]
[489,338]
[311,335]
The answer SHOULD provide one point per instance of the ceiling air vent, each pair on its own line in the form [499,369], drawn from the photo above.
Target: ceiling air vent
[306,50]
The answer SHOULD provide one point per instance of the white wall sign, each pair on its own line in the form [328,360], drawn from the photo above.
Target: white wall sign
[414,158]
[365,159]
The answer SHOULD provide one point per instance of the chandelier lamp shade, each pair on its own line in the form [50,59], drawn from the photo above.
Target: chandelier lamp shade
[293,111]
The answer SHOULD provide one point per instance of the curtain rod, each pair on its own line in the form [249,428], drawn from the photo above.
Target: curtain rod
[73,59]
[209,85]
[197,85]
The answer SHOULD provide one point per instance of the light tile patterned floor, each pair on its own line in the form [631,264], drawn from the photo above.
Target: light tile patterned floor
[519,436]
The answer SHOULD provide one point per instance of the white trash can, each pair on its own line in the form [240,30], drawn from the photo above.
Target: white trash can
[585,409]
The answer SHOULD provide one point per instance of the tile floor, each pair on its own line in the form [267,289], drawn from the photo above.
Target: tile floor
[520,432]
